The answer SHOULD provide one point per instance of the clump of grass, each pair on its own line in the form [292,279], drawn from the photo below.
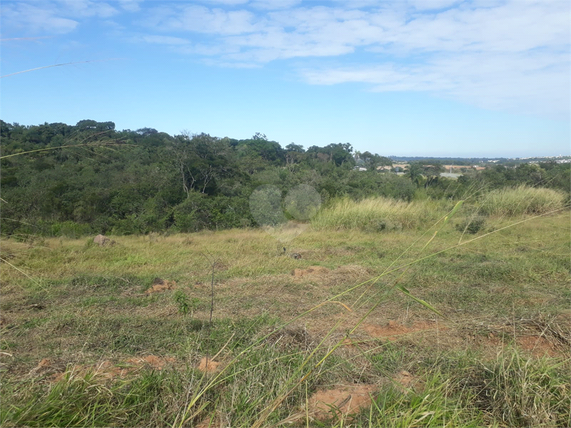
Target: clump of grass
[522,391]
[441,402]
[373,214]
[153,398]
[521,200]
[471,225]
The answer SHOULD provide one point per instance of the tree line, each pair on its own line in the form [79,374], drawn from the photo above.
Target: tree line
[59,179]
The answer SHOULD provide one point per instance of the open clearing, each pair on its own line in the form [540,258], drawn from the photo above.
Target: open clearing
[120,335]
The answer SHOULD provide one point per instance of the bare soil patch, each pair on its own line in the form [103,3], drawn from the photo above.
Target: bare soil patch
[538,346]
[160,285]
[208,365]
[341,401]
[312,270]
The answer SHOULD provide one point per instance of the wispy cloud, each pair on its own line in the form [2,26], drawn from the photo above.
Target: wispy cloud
[505,54]
[501,54]
[31,19]
[60,17]
[165,40]
[130,5]
[201,19]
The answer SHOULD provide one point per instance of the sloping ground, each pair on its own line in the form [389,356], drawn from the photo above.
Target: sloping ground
[83,315]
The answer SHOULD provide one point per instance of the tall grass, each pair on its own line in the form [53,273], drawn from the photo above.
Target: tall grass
[522,200]
[523,391]
[374,214]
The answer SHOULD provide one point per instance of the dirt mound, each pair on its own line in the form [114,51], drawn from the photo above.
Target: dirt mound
[312,270]
[340,402]
[394,329]
[160,285]
[538,346]
[208,365]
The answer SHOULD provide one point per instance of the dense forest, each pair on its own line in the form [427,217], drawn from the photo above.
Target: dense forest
[59,179]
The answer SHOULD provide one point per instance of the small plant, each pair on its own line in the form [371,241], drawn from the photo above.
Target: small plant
[181,299]
[471,225]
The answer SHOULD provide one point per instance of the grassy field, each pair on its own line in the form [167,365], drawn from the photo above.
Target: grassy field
[418,325]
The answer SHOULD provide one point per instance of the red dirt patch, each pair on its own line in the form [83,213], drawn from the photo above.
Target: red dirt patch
[312,270]
[394,329]
[160,285]
[208,365]
[538,346]
[341,401]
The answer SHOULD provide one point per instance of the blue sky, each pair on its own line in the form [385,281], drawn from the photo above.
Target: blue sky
[404,77]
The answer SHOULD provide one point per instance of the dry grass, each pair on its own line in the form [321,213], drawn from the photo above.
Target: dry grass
[522,200]
[376,214]
[86,304]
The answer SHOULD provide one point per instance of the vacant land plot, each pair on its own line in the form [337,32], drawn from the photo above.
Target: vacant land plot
[430,326]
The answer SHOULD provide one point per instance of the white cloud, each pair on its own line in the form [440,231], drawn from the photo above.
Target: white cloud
[85,8]
[60,17]
[201,19]
[505,54]
[432,4]
[274,4]
[226,2]
[521,83]
[27,17]
[130,5]
[165,40]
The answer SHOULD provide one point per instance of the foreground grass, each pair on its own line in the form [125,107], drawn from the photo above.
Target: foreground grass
[499,358]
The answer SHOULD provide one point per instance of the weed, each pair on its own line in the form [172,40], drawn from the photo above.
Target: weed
[182,301]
